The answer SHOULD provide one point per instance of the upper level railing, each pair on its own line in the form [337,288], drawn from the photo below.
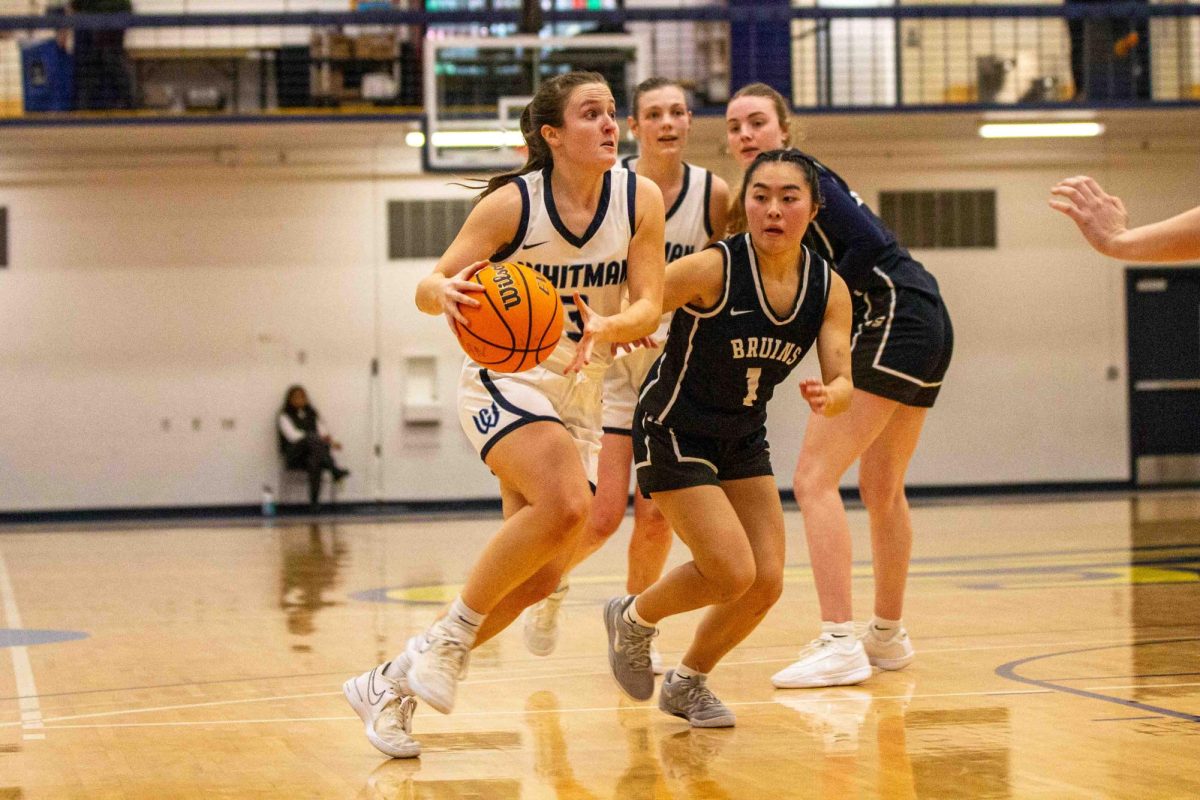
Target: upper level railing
[325,62]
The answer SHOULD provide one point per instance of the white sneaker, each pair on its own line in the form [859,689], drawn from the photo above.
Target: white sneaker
[541,623]
[385,711]
[656,663]
[894,653]
[439,664]
[826,661]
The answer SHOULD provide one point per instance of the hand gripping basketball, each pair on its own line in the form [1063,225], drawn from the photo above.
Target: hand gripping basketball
[454,294]
[515,323]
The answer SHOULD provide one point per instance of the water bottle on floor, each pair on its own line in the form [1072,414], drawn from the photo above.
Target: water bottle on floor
[268,501]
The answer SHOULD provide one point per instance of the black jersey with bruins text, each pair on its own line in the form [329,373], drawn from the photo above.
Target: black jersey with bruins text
[720,365]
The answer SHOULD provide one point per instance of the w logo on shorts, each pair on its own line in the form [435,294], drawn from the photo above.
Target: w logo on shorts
[487,419]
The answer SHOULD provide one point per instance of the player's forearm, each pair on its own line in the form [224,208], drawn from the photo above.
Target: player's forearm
[1174,239]
[640,318]
[429,293]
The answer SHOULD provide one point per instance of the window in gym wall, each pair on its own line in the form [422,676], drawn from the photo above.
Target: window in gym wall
[941,219]
[423,228]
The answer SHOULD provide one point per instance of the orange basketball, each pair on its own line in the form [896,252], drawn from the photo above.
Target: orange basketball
[518,322]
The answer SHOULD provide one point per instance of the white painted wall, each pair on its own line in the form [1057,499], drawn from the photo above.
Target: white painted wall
[185,285]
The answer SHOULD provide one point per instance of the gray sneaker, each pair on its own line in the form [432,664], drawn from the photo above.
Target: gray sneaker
[629,650]
[691,699]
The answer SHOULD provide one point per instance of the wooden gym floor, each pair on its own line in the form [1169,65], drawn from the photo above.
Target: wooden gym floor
[1058,657]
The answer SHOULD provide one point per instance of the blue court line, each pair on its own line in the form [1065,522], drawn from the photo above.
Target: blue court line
[24,637]
[1121,677]
[1009,671]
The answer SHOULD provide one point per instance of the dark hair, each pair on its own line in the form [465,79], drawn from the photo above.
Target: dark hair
[807,166]
[649,85]
[287,396]
[546,108]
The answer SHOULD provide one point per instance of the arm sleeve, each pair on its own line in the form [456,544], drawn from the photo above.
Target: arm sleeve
[289,429]
[864,239]
[321,429]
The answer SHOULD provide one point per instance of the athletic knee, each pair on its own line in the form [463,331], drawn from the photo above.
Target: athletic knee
[568,507]
[810,482]
[765,592]
[731,578]
[603,521]
[881,492]
[653,531]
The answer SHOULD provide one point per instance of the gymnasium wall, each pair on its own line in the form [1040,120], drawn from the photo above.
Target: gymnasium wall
[159,301]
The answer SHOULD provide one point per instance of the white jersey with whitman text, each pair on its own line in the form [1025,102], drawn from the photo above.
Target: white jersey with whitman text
[593,262]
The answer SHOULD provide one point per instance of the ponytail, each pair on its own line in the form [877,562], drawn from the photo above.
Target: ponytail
[546,108]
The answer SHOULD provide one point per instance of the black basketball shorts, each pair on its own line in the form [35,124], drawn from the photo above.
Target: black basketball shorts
[666,459]
[901,342]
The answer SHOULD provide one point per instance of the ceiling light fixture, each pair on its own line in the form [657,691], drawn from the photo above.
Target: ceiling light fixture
[1038,130]
[467,139]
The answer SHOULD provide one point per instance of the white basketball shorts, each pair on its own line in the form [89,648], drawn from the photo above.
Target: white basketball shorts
[622,384]
[492,405]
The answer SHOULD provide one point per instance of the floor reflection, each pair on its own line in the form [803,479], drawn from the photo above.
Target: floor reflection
[688,758]
[1166,528]
[643,777]
[312,557]
[550,760]
[956,752]
[404,779]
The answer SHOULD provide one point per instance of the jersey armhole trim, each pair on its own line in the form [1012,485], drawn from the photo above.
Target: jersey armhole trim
[708,203]
[716,307]
[509,249]
[683,190]
[631,190]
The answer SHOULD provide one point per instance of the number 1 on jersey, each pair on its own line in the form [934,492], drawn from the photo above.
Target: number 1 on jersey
[752,376]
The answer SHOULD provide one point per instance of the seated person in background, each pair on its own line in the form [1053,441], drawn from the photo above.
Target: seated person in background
[304,441]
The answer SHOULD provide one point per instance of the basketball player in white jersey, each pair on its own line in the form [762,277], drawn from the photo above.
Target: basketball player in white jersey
[697,203]
[595,231]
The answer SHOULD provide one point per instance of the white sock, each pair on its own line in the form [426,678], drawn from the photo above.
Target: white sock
[562,587]
[684,672]
[841,632]
[885,629]
[464,620]
[632,616]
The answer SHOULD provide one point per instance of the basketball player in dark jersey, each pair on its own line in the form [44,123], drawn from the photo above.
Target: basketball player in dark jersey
[749,309]
[901,346]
